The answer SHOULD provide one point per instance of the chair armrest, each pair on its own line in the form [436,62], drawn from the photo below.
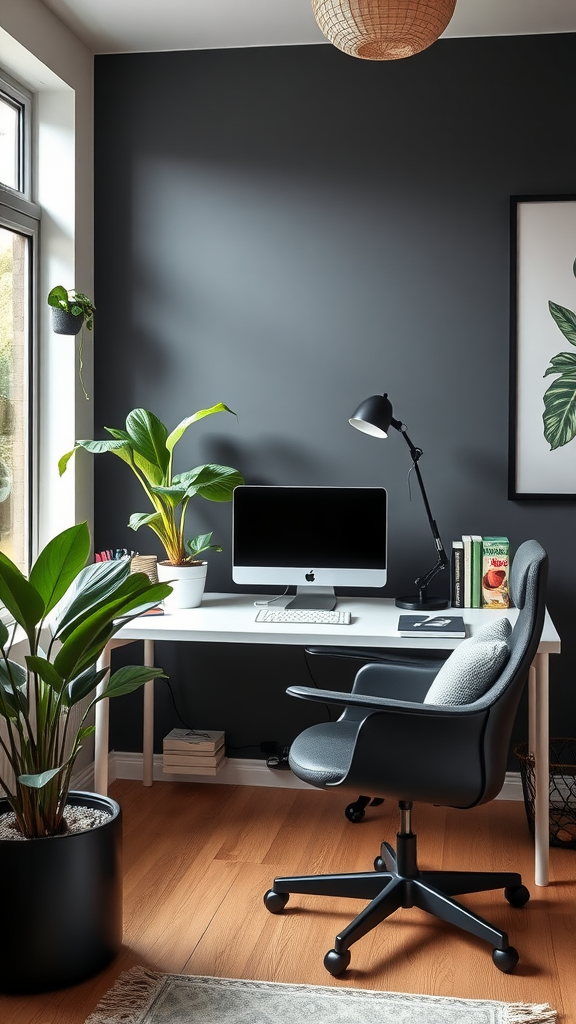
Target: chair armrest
[397,680]
[371,703]
[384,656]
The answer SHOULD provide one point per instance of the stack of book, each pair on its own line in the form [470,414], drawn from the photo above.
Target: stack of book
[479,572]
[193,752]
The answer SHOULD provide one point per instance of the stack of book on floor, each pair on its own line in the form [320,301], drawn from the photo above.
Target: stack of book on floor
[479,572]
[193,752]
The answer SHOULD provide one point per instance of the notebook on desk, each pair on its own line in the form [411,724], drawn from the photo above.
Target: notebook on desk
[450,626]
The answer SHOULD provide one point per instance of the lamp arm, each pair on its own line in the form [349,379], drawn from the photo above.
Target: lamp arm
[416,453]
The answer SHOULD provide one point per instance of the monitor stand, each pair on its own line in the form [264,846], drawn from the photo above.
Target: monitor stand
[322,598]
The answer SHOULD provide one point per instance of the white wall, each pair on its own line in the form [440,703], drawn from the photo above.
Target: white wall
[37,49]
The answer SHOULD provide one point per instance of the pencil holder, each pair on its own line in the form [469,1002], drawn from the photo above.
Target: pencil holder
[147,564]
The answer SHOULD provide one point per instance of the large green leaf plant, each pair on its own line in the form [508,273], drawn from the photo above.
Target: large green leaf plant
[63,615]
[147,447]
[560,399]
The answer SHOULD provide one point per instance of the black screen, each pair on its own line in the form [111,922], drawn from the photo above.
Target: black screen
[323,527]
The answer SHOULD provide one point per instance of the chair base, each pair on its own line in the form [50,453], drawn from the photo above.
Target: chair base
[397,882]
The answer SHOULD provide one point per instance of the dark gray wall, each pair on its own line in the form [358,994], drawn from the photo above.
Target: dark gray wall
[288,230]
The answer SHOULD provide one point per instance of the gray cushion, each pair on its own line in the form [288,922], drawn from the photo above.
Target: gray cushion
[499,629]
[472,667]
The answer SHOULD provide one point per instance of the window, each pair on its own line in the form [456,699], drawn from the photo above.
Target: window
[14,433]
[15,117]
[18,242]
[9,143]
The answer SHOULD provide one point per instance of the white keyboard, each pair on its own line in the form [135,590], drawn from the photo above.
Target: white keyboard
[311,615]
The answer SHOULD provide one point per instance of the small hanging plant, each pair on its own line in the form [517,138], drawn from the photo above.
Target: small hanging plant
[72,311]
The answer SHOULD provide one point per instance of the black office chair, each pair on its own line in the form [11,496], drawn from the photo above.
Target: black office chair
[392,740]
[356,810]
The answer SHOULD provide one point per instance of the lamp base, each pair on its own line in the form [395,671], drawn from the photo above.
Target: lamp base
[427,604]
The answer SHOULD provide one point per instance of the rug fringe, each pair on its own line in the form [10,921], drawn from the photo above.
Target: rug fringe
[128,999]
[530,1013]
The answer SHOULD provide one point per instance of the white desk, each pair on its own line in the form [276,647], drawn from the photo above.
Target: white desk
[230,618]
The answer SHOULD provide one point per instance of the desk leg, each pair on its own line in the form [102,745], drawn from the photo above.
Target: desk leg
[101,733]
[540,745]
[148,730]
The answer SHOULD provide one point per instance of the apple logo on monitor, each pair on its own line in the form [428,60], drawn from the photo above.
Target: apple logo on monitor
[309,576]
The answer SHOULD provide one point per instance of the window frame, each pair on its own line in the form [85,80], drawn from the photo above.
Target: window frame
[23,99]
[19,213]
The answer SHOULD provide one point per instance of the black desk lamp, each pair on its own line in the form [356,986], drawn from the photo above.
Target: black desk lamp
[374,416]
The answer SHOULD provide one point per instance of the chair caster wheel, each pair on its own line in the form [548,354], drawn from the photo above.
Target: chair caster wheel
[354,813]
[379,864]
[335,963]
[275,901]
[505,959]
[517,895]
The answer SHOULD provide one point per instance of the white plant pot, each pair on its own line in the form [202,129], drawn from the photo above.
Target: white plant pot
[187,582]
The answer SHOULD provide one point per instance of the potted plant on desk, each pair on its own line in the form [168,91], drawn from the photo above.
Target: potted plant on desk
[60,851]
[147,447]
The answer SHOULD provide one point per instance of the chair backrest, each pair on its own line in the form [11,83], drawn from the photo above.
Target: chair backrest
[528,579]
[457,758]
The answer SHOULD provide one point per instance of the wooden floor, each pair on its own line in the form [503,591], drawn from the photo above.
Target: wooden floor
[199,858]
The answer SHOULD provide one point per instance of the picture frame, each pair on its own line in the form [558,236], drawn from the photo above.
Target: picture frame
[542,442]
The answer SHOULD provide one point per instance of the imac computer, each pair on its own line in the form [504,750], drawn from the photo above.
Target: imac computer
[313,538]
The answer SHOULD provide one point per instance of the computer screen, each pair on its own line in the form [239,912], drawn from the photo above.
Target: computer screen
[314,538]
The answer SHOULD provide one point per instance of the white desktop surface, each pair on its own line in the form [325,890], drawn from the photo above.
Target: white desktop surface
[231,618]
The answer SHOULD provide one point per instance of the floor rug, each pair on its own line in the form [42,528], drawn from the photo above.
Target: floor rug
[143,997]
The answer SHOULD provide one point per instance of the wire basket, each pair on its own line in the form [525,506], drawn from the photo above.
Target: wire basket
[562,789]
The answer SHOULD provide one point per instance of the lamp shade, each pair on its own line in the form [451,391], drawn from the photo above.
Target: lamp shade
[382,29]
[373,416]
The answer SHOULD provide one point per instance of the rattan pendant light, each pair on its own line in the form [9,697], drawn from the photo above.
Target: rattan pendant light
[382,29]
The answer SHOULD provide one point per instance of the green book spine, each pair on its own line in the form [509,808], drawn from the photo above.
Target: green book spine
[476,573]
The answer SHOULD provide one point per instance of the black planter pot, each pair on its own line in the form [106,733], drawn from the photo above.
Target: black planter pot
[61,903]
[64,322]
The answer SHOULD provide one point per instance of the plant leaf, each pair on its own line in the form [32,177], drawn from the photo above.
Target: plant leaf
[566,321]
[134,592]
[58,297]
[13,689]
[92,586]
[564,362]
[153,473]
[196,545]
[138,519]
[216,483]
[83,685]
[45,669]
[183,426]
[560,411]
[95,448]
[4,634]
[21,598]
[129,678]
[41,779]
[59,563]
[148,435]
[173,495]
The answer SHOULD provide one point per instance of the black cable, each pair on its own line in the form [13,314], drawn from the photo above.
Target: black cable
[314,683]
[179,716]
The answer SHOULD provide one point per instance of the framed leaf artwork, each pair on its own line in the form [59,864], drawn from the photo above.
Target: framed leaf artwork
[542,442]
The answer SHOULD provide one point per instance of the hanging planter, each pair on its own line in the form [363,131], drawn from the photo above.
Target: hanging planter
[71,311]
[64,322]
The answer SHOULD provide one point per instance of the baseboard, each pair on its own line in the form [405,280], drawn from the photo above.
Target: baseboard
[237,771]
